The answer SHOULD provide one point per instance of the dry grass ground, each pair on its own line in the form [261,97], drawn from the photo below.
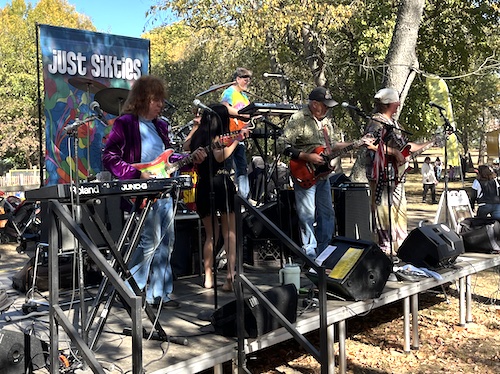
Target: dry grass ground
[375,341]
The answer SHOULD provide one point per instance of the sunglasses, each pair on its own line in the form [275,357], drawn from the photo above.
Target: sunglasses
[246,76]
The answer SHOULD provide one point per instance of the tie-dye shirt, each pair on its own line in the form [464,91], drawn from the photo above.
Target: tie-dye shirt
[237,100]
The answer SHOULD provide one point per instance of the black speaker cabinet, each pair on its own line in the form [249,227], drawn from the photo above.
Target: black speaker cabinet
[108,210]
[431,246]
[185,255]
[359,268]
[258,320]
[352,208]
[16,357]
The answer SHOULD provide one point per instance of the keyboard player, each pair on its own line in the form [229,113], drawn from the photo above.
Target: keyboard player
[140,136]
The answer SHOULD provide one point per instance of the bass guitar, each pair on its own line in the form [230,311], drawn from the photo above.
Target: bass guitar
[161,167]
[306,173]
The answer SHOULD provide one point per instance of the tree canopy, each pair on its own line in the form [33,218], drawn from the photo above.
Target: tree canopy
[18,73]
[350,46]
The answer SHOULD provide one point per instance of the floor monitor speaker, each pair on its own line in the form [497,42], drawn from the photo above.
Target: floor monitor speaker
[431,246]
[258,320]
[359,268]
[16,357]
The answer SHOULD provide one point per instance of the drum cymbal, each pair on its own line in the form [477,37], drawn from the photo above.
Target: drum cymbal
[111,99]
[86,84]
[215,88]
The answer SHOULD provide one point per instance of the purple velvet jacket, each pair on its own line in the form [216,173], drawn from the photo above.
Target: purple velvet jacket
[123,146]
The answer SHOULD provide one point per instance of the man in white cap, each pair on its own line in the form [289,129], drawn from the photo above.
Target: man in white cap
[306,131]
[390,229]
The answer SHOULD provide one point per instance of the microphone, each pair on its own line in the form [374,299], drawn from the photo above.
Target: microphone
[76,124]
[197,103]
[274,75]
[352,107]
[432,103]
[96,108]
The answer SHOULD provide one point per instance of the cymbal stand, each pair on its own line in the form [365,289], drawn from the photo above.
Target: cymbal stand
[268,171]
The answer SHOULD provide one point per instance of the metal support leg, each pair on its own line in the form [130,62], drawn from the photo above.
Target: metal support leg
[461,283]
[468,298]
[342,350]
[406,324]
[414,318]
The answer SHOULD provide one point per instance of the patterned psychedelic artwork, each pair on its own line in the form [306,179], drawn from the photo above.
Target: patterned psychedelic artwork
[77,65]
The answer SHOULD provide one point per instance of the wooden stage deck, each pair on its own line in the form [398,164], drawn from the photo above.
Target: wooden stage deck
[206,350]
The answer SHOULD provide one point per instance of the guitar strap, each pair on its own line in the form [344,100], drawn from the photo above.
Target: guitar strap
[327,140]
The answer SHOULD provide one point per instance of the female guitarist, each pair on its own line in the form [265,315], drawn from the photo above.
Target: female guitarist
[212,126]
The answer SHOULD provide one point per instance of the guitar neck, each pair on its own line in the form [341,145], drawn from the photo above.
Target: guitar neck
[342,151]
[413,155]
[221,143]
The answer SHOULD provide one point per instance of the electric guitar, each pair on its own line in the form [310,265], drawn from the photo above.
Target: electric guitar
[306,173]
[161,167]
[409,156]
[399,172]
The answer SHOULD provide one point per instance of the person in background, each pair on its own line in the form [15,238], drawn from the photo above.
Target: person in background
[496,166]
[485,191]
[212,126]
[438,168]
[139,136]
[429,180]
[234,98]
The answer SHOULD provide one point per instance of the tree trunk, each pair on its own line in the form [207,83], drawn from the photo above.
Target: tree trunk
[401,58]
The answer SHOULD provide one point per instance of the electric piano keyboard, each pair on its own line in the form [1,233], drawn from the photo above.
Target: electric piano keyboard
[129,187]
[272,109]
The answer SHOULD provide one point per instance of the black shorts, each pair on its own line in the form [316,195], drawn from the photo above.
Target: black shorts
[224,191]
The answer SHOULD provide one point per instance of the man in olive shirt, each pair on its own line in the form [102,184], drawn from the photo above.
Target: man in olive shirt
[306,130]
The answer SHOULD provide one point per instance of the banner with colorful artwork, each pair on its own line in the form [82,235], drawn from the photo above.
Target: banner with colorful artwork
[82,68]
[438,93]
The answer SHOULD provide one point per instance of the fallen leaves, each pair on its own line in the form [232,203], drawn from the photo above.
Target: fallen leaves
[375,341]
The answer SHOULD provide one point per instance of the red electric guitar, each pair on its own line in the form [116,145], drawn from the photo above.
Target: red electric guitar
[401,171]
[306,174]
[409,156]
[161,167]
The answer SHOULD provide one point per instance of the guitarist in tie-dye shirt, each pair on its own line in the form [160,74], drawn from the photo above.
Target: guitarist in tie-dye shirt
[234,98]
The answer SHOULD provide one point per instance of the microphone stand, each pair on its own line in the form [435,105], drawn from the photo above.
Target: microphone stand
[72,131]
[212,210]
[448,129]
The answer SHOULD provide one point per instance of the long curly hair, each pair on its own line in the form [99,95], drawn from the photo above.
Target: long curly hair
[484,173]
[145,89]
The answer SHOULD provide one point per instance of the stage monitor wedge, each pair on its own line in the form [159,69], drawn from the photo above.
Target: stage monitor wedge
[358,269]
[432,246]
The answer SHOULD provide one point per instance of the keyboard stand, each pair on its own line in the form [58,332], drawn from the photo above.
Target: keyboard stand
[114,273]
[121,252]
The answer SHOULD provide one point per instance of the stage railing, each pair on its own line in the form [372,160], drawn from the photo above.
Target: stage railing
[56,213]
[242,282]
